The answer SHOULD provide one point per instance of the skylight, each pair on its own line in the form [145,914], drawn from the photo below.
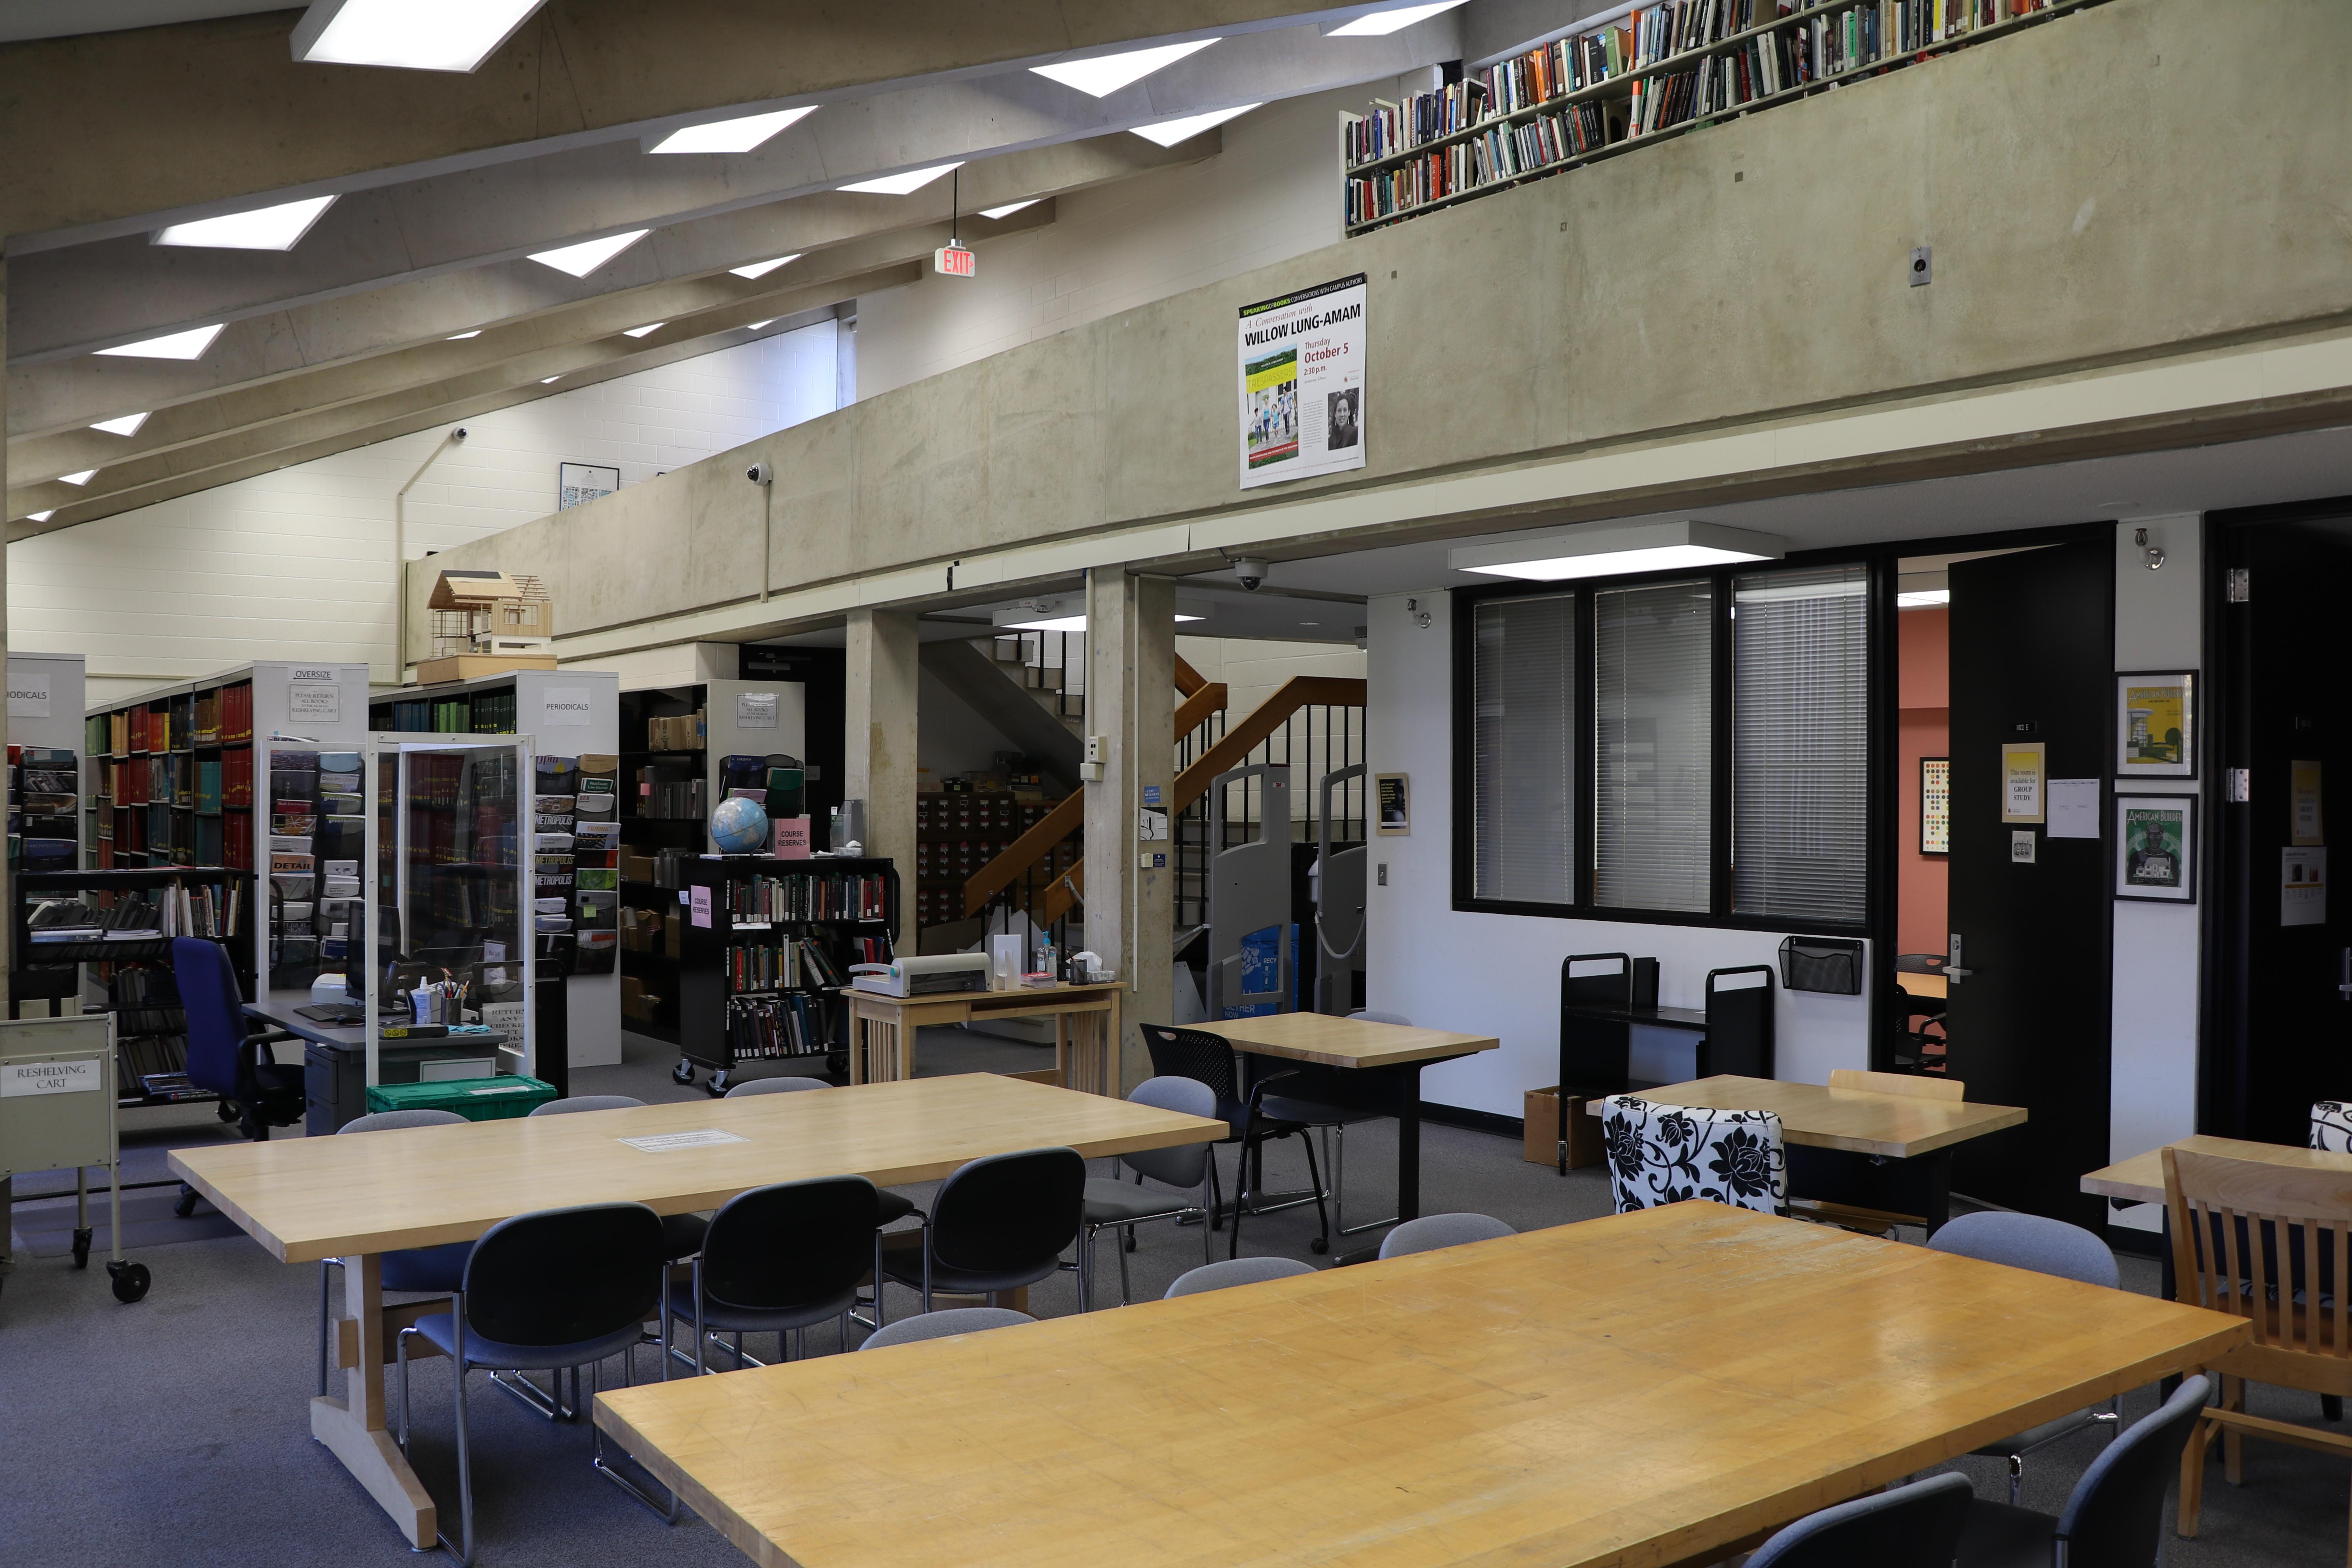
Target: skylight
[190,344]
[584,257]
[762,268]
[280,228]
[737,135]
[411,35]
[1381,23]
[42,516]
[83,477]
[902,185]
[126,426]
[1106,74]
[1008,209]
[646,331]
[1169,132]
[457,337]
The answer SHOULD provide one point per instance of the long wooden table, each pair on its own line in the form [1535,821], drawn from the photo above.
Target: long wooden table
[358,1197]
[1641,1389]
[1373,1065]
[1889,1127]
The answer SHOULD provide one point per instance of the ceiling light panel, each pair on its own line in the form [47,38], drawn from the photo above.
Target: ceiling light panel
[410,35]
[1106,74]
[1381,23]
[646,331]
[1169,132]
[126,426]
[42,516]
[82,478]
[1008,209]
[190,344]
[280,228]
[584,257]
[549,379]
[762,268]
[460,337]
[737,135]
[1616,551]
[757,325]
[903,184]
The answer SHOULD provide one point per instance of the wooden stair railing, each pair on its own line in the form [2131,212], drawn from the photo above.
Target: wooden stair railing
[1238,742]
[1069,813]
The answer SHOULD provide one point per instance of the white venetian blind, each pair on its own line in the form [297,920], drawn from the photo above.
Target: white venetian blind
[1523,760]
[1654,754]
[1799,760]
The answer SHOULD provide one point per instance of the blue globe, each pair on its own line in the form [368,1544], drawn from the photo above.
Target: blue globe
[739,826]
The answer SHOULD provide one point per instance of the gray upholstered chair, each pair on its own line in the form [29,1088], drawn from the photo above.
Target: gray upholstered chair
[2114,1516]
[1917,1525]
[1111,1203]
[783,1085]
[1659,1154]
[681,1233]
[944,1324]
[1430,1232]
[434,1270]
[2045,1246]
[579,1102]
[1232,1271]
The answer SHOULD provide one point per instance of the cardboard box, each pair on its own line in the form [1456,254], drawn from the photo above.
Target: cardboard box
[1542,1135]
[634,867]
[637,1002]
[673,929]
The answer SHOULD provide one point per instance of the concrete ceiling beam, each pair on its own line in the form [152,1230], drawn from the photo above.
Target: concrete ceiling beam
[87,297]
[109,132]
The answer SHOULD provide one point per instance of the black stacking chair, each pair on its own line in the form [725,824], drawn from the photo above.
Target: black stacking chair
[776,1259]
[415,1270]
[1210,1059]
[2114,1516]
[1905,1527]
[561,1288]
[997,1223]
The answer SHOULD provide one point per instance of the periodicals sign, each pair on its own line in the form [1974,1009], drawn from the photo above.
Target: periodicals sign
[1302,384]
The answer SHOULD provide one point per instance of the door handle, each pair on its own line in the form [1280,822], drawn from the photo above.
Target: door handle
[1953,973]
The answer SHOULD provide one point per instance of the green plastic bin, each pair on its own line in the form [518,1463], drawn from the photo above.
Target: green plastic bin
[475,1098]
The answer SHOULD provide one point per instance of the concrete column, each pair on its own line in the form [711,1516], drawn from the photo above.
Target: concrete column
[1131,703]
[878,742]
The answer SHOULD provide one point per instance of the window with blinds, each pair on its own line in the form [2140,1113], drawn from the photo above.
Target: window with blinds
[1523,739]
[1800,744]
[1653,752]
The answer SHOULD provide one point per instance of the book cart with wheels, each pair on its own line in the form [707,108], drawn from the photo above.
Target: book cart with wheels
[58,1112]
[765,947]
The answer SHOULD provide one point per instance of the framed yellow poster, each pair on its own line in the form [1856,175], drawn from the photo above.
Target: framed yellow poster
[2020,781]
[2155,724]
[2306,827]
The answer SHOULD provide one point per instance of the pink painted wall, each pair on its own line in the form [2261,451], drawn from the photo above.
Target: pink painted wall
[1924,684]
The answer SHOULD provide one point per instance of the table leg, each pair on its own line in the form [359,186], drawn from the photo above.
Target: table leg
[1062,1051]
[1407,1079]
[1938,1172]
[354,1428]
[859,1039]
[902,1048]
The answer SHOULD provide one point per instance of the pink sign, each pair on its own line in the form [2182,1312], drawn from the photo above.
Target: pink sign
[792,838]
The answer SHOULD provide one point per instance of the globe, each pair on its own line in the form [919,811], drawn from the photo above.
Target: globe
[739,826]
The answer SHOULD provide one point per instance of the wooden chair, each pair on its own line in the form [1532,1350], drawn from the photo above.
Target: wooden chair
[2268,1244]
[1852,1217]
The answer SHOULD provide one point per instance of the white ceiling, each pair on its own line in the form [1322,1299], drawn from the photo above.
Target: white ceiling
[22,19]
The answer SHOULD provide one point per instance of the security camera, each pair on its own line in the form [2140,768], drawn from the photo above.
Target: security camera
[458,434]
[760,474]
[1251,572]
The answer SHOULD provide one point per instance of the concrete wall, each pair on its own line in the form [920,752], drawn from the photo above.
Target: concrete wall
[2084,186]
[296,563]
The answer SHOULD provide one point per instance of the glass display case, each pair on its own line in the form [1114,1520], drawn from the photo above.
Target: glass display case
[444,940]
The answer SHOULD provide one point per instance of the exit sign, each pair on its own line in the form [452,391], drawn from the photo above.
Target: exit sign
[955,261]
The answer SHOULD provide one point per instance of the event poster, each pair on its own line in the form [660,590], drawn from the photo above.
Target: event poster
[2156,843]
[1302,384]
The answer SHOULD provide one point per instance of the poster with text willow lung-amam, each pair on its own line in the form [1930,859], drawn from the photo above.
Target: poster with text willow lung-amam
[1302,384]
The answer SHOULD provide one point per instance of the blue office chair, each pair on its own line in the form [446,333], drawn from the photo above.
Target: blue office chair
[222,1057]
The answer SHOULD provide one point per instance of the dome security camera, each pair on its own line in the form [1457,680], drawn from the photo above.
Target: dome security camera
[1251,572]
[760,474]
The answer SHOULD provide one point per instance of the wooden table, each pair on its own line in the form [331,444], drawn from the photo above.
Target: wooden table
[1922,985]
[358,1197]
[1085,1028]
[1920,1132]
[2140,1179]
[1376,1067]
[1641,1389]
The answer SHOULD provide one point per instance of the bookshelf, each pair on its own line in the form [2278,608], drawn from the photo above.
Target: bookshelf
[46,737]
[573,720]
[1646,73]
[764,945]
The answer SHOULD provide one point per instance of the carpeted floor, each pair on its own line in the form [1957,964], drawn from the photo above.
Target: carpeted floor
[172,1432]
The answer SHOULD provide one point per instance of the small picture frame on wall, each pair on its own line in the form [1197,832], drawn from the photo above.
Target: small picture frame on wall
[1393,804]
[1934,805]
[2156,848]
[2155,724]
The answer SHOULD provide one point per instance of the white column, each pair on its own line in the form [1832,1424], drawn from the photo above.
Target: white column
[879,741]
[1131,704]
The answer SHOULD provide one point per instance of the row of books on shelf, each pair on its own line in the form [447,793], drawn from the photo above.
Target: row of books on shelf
[813,896]
[671,798]
[44,808]
[218,717]
[149,1063]
[796,1025]
[468,713]
[795,966]
[685,733]
[206,910]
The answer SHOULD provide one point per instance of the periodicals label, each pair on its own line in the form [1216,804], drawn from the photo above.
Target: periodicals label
[1302,384]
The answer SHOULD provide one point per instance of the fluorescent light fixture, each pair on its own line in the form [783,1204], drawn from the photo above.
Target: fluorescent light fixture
[584,257]
[1168,132]
[456,337]
[762,268]
[1613,552]
[264,228]
[1381,23]
[1008,209]
[737,135]
[646,331]
[1922,598]
[42,516]
[757,325]
[1106,74]
[82,478]
[190,344]
[1045,616]
[412,35]
[903,184]
[126,426]
[549,379]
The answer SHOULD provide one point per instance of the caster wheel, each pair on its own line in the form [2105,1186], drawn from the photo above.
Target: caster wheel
[1319,1245]
[838,1064]
[718,1085]
[81,1248]
[682,1074]
[1129,1244]
[131,1280]
[224,1111]
[187,1204]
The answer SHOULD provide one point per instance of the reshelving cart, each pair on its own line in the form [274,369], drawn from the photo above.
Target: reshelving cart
[57,1111]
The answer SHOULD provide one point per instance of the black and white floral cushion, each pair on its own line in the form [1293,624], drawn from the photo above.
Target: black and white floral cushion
[1660,1154]
[2331,1126]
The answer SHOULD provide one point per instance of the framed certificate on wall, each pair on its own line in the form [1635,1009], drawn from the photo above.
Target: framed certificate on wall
[1934,805]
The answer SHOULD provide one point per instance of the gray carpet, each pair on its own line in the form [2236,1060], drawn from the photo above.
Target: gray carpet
[174,1431]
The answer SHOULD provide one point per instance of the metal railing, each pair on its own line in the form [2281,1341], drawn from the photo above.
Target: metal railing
[1312,741]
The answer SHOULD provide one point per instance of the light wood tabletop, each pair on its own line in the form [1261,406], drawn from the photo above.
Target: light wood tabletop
[305,1198]
[1343,1042]
[2141,1177]
[1644,1388]
[1923,984]
[1860,1121]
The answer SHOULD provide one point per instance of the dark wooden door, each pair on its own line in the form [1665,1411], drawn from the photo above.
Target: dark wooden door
[2032,651]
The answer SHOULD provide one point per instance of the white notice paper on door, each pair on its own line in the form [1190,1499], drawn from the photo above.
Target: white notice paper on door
[2073,808]
[663,1142]
[314,702]
[2303,887]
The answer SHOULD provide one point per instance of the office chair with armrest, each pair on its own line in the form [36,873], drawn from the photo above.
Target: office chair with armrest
[223,1058]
